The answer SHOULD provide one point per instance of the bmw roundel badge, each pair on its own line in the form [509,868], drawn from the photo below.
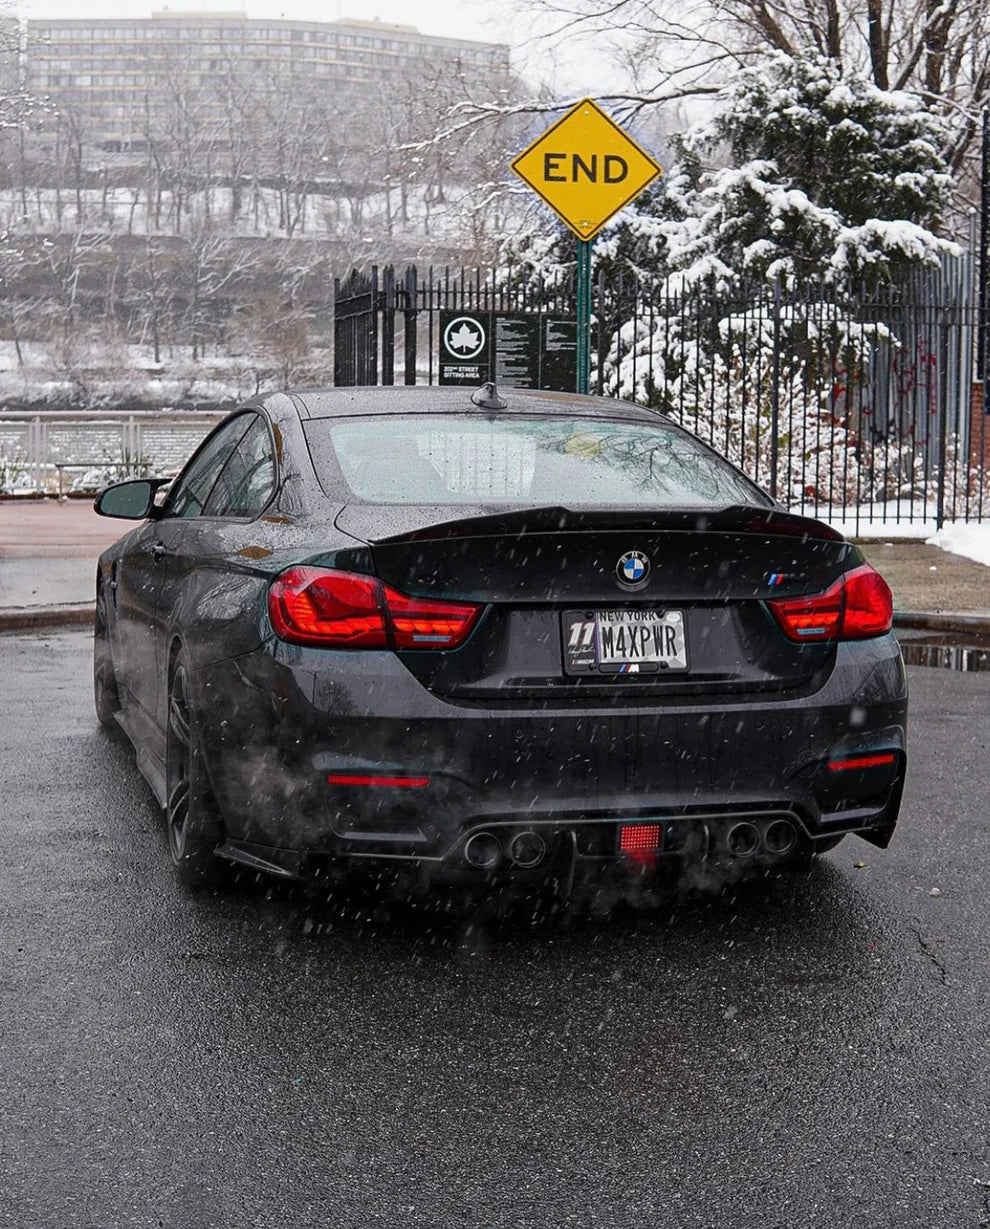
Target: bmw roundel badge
[633,569]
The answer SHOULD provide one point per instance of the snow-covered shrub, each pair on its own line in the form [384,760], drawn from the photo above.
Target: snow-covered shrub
[899,469]
[726,389]
[829,177]
[776,386]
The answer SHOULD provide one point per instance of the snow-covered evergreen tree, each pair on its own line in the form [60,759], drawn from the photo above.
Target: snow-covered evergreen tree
[828,177]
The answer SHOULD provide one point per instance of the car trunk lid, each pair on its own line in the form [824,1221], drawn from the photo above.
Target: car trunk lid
[542,572]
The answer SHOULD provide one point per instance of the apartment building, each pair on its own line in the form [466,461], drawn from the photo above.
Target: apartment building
[117,76]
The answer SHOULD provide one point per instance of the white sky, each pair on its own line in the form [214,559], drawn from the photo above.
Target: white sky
[485,20]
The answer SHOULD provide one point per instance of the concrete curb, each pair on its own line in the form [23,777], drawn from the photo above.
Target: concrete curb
[949,622]
[35,618]
[29,618]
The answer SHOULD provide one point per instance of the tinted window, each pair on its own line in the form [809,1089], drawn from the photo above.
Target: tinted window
[440,459]
[193,486]
[246,482]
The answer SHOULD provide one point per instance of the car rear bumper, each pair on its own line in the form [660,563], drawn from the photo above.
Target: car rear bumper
[345,758]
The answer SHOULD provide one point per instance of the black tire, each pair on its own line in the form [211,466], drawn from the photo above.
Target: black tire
[106,698]
[191,816]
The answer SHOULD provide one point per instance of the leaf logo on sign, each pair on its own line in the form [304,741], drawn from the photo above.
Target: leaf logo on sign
[464,337]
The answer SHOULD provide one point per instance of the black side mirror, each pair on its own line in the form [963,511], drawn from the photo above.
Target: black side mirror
[133,500]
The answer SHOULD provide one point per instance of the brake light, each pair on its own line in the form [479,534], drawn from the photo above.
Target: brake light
[325,608]
[859,605]
[320,607]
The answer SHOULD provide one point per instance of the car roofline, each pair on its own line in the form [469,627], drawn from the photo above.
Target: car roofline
[384,401]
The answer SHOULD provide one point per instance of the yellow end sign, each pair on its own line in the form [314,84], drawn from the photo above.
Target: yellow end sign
[586,168]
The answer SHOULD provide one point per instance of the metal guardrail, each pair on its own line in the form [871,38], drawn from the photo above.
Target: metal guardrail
[36,448]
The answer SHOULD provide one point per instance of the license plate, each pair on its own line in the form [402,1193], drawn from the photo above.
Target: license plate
[624,641]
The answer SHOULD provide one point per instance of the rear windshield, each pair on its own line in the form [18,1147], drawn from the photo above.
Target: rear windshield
[441,459]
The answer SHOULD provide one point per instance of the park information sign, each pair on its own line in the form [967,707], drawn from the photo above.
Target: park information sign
[586,168]
[515,349]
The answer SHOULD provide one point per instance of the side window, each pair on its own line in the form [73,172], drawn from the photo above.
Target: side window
[193,486]
[247,480]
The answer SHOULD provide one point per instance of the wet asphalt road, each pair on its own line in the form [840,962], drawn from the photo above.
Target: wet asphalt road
[810,1052]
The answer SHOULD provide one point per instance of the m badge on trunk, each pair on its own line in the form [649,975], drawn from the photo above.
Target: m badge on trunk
[633,570]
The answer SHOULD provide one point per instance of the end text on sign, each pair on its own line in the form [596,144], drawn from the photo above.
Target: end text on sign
[569,168]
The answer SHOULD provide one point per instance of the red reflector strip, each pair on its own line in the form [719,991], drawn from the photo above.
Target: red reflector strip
[639,838]
[863,761]
[350,778]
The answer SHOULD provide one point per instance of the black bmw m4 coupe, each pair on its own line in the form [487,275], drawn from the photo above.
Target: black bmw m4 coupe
[499,638]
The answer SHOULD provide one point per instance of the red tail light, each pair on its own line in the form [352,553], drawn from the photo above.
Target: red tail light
[343,610]
[319,607]
[856,607]
[869,605]
[421,624]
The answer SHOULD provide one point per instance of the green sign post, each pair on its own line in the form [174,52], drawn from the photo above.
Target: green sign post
[583,315]
[586,168]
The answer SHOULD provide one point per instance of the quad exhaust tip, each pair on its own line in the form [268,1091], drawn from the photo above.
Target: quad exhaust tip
[527,849]
[743,840]
[483,851]
[780,837]
[776,838]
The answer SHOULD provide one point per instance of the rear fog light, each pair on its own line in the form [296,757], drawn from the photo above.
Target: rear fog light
[639,839]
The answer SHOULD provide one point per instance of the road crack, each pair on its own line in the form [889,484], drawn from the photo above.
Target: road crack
[927,949]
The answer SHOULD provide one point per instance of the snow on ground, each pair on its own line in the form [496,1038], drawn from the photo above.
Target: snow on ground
[882,525]
[907,519]
[895,518]
[970,540]
[888,522]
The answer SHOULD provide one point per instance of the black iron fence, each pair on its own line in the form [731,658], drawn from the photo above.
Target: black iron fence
[860,406]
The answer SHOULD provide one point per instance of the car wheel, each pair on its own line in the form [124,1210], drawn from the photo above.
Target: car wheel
[106,698]
[194,826]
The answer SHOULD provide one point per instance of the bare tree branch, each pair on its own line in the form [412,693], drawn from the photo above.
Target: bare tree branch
[937,49]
